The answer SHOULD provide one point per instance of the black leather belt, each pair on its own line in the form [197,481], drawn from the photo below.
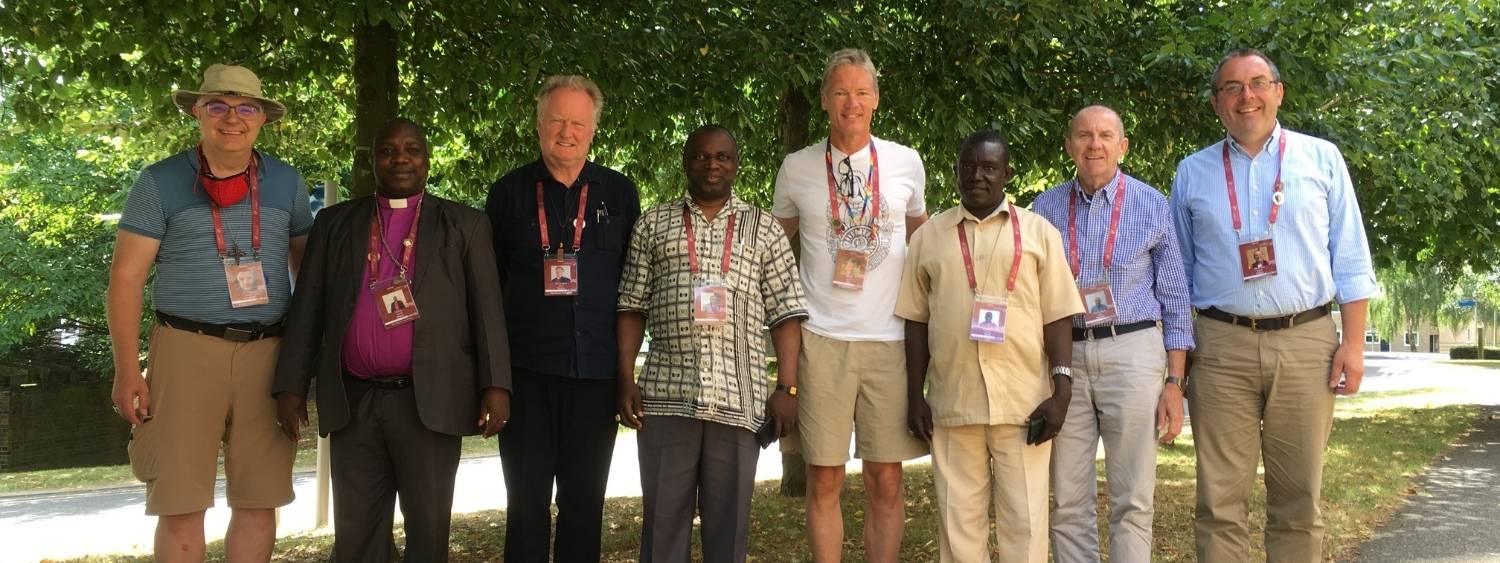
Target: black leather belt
[1266,323]
[1110,331]
[238,332]
[391,382]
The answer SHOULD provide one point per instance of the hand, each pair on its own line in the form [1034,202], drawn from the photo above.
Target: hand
[1169,413]
[1055,410]
[919,417]
[631,412]
[132,397]
[1348,362]
[782,407]
[291,414]
[494,411]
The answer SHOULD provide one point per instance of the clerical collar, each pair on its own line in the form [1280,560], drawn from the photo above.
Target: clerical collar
[399,203]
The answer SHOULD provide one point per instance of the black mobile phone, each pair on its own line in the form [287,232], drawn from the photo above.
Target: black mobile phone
[1034,428]
[766,434]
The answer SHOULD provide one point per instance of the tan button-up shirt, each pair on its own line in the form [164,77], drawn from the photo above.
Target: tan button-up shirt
[971,382]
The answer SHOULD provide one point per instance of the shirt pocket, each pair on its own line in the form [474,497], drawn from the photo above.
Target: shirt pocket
[608,233]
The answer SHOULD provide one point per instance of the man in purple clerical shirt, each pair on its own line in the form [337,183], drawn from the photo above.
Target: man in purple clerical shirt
[398,386]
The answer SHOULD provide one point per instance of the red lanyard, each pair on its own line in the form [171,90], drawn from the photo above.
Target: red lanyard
[377,244]
[692,243]
[874,182]
[541,219]
[253,176]
[1015,262]
[1109,240]
[1276,195]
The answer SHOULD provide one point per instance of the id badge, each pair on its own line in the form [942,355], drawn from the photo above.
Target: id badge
[1098,304]
[710,303]
[1258,259]
[849,269]
[394,301]
[247,283]
[987,322]
[560,275]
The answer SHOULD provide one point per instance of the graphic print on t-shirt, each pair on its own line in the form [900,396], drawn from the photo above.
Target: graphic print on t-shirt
[856,205]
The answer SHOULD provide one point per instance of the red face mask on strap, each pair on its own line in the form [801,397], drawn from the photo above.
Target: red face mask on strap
[223,191]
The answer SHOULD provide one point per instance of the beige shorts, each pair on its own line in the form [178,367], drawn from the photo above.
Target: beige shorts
[207,391]
[854,387]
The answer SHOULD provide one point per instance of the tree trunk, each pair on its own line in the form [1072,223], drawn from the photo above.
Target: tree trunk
[377,90]
[793,127]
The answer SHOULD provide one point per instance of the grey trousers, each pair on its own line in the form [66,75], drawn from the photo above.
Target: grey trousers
[689,464]
[1116,385]
[383,451]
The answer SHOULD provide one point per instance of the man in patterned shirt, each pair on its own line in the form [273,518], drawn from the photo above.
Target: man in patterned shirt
[1124,257]
[703,393]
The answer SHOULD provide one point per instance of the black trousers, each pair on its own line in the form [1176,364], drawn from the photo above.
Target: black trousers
[561,431]
[385,450]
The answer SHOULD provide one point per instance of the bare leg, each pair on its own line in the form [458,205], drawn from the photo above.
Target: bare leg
[886,518]
[179,537]
[825,518]
[252,534]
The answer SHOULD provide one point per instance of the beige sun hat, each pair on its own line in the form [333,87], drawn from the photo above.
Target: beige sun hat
[232,81]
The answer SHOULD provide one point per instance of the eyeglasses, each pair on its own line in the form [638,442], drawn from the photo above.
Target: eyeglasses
[220,109]
[1257,85]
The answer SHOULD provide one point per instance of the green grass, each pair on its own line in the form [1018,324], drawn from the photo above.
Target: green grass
[1373,457]
[1491,364]
[112,475]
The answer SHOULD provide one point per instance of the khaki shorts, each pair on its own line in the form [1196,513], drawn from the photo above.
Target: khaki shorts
[206,391]
[852,386]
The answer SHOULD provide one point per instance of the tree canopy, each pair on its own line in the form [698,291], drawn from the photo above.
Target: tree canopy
[1408,90]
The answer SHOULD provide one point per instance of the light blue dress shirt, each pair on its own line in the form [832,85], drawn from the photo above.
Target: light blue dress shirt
[1321,250]
[1145,274]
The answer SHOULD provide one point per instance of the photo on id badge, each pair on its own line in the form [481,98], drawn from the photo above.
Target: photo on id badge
[849,268]
[1098,304]
[247,284]
[987,322]
[1257,259]
[560,276]
[710,300]
[397,305]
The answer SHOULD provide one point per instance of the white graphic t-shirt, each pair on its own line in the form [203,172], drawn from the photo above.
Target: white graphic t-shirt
[802,194]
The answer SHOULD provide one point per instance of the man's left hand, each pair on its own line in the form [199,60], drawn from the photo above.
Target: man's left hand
[782,407]
[494,411]
[1348,370]
[1054,409]
[1169,413]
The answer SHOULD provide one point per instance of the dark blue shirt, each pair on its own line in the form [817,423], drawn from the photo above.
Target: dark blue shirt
[564,336]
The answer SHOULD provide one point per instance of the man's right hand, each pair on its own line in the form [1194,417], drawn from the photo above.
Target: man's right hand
[132,397]
[919,418]
[631,412]
[291,414]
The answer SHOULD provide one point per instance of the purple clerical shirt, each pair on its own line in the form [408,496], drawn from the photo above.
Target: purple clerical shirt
[370,349]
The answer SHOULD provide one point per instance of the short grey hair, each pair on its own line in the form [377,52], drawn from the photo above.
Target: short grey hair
[1241,53]
[568,82]
[850,57]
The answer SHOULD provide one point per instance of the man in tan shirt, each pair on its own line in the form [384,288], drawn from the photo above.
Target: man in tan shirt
[975,266]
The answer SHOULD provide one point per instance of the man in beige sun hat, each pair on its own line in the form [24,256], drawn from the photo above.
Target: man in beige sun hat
[207,219]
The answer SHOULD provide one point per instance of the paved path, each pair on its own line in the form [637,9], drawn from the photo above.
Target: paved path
[1455,514]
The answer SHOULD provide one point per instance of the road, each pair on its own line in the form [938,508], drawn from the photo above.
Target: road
[112,520]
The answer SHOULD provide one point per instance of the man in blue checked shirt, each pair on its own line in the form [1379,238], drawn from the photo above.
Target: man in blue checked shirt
[1271,233]
[1125,261]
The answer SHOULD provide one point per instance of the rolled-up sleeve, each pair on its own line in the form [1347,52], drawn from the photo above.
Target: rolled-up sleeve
[1172,288]
[1353,273]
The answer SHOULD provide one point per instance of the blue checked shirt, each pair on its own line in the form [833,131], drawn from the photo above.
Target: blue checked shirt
[1145,274]
[1319,237]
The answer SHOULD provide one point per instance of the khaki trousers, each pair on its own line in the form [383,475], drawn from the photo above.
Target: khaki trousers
[1116,385]
[976,463]
[1260,395]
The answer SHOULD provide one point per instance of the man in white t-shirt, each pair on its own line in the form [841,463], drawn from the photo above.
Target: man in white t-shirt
[859,198]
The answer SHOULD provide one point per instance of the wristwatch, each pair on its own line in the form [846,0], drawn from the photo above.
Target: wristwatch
[790,389]
[1064,371]
[1174,380]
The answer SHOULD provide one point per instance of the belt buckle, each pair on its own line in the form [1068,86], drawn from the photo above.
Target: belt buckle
[233,334]
[1255,325]
[1088,334]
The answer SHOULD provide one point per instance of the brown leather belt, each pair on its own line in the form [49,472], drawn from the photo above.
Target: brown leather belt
[1262,324]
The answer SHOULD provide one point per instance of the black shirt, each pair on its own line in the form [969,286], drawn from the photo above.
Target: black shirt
[572,335]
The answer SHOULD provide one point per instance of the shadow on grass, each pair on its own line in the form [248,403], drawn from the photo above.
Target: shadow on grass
[1372,459]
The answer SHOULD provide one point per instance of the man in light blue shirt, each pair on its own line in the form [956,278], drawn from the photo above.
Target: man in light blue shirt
[1271,233]
[1129,351]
